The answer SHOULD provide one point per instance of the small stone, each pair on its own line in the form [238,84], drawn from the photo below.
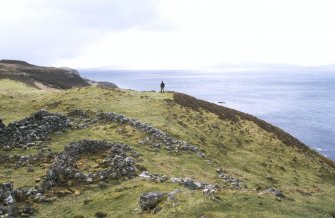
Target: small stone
[7,148]
[100,214]
[29,210]
[171,195]
[30,170]
[8,200]
[145,174]
[78,216]
[276,192]
[102,184]
[7,186]
[87,201]
[190,184]
[76,192]
[156,209]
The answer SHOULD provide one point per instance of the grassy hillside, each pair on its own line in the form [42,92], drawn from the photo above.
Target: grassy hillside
[259,155]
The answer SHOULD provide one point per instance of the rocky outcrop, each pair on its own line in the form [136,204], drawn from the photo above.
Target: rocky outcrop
[117,163]
[31,130]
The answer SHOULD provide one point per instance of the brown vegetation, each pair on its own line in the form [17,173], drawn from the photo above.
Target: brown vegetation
[59,78]
[234,116]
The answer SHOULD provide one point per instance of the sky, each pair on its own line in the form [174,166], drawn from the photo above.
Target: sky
[167,34]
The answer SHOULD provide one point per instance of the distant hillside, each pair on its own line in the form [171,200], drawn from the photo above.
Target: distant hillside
[37,76]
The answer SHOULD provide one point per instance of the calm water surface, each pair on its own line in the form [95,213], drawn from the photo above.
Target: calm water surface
[302,102]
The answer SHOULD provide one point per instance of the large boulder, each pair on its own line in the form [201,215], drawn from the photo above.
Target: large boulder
[150,200]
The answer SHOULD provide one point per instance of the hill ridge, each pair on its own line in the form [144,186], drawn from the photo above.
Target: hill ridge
[59,78]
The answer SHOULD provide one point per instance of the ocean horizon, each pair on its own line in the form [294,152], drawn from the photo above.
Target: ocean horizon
[299,101]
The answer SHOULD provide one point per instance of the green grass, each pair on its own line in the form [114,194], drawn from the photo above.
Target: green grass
[243,149]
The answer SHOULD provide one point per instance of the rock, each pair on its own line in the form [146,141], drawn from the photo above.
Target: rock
[28,210]
[234,183]
[190,184]
[7,186]
[276,192]
[8,200]
[77,192]
[102,184]
[171,195]
[201,154]
[150,200]
[7,148]
[78,216]
[156,209]
[145,174]
[154,177]
[100,214]
[30,170]
[209,190]
[87,201]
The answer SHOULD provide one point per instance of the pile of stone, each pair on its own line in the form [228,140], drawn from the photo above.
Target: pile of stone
[82,119]
[170,142]
[234,183]
[78,113]
[153,177]
[116,165]
[31,130]
[8,199]
[207,189]
[25,160]
[279,195]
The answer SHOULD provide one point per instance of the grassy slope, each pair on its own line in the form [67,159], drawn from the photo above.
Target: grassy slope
[243,149]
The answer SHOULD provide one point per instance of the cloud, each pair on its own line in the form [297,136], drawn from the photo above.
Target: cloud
[42,31]
[167,33]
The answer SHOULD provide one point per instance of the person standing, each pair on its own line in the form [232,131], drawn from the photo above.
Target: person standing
[162,87]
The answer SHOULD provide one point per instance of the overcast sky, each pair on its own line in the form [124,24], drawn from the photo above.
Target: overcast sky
[167,34]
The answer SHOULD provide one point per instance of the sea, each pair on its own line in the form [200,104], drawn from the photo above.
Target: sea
[299,101]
